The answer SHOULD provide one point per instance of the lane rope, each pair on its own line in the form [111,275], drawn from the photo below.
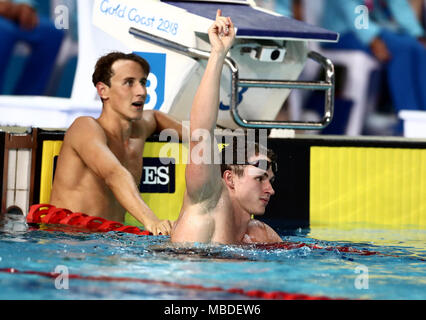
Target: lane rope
[49,214]
[341,249]
[260,294]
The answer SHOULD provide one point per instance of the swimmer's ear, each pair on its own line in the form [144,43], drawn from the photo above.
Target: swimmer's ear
[102,89]
[229,178]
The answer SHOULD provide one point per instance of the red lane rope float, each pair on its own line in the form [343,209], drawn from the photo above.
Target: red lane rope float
[272,295]
[49,214]
[296,245]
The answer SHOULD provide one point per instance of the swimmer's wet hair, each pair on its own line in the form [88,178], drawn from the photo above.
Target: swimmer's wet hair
[244,153]
[103,71]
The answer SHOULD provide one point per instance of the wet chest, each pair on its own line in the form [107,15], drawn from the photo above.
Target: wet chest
[130,155]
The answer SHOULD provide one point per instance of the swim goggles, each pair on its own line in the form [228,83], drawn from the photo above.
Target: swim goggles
[264,165]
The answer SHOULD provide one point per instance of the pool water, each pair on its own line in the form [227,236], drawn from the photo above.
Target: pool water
[126,266]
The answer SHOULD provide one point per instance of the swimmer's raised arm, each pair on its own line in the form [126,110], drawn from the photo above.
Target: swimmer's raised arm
[203,179]
[206,101]
[97,156]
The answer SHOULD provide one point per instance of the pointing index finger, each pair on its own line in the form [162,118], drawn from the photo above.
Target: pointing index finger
[218,13]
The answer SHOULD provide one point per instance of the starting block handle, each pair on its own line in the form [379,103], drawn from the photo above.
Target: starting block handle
[327,85]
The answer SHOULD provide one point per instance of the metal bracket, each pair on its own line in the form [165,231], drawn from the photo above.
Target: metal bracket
[327,85]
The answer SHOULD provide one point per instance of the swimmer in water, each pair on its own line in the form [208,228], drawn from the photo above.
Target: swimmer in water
[100,162]
[220,199]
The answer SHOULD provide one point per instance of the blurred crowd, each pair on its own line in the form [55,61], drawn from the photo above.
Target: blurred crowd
[391,33]
[34,37]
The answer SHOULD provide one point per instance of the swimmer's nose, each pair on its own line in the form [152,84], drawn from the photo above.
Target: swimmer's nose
[141,90]
[269,188]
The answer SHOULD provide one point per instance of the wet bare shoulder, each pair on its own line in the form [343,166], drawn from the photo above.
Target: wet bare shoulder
[83,126]
[260,232]
[147,125]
